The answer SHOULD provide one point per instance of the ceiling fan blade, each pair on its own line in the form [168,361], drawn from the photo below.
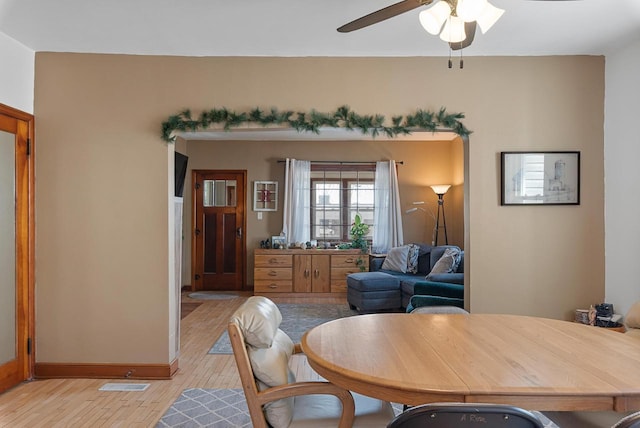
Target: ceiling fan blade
[470,31]
[382,14]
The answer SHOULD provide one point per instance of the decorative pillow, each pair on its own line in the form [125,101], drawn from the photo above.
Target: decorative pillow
[632,319]
[258,319]
[396,259]
[448,263]
[412,258]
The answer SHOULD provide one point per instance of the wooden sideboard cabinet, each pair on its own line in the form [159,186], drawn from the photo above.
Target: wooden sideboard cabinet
[298,272]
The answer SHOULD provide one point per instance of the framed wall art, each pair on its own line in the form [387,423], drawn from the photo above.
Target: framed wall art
[265,195]
[540,178]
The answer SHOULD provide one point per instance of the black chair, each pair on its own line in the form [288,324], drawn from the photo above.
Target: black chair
[630,421]
[455,415]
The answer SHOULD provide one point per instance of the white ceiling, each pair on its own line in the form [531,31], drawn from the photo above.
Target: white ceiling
[306,28]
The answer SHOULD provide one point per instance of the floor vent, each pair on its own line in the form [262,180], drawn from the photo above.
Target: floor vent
[124,387]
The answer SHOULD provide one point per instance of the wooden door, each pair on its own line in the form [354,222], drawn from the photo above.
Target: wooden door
[16,247]
[321,272]
[302,273]
[218,249]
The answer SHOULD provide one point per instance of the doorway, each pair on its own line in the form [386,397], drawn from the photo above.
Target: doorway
[218,236]
[16,247]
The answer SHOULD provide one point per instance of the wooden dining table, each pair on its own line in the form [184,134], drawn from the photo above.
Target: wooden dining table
[529,362]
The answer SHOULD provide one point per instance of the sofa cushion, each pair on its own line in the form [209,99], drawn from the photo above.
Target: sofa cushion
[452,278]
[396,259]
[372,281]
[448,263]
[424,259]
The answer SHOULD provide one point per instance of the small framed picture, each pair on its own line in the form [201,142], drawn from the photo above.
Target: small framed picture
[265,196]
[540,178]
[278,242]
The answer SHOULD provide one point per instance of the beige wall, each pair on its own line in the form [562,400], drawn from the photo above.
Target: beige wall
[425,163]
[102,245]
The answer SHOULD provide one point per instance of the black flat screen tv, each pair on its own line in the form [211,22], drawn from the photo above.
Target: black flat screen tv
[180,172]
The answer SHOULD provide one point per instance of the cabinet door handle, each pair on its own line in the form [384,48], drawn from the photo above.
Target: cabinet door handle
[316,273]
[349,261]
[273,261]
[273,273]
[306,273]
[272,286]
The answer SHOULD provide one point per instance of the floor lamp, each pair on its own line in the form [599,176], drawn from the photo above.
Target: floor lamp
[440,190]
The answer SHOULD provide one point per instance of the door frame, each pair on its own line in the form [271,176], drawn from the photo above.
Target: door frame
[25,236]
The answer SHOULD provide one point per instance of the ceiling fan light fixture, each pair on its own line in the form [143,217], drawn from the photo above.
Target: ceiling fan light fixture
[433,18]
[470,10]
[453,31]
[490,16]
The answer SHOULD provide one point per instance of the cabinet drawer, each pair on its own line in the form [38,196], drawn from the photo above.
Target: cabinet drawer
[349,260]
[272,274]
[273,260]
[340,274]
[339,278]
[275,286]
[339,286]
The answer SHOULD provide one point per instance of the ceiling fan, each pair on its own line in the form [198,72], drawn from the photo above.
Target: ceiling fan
[438,18]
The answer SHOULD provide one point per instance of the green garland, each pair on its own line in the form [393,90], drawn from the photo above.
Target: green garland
[312,121]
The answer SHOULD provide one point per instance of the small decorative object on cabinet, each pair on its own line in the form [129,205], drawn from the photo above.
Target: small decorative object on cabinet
[265,195]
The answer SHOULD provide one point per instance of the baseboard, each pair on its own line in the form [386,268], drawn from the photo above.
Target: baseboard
[105,371]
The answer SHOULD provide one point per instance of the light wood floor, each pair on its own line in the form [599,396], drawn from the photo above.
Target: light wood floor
[78,403]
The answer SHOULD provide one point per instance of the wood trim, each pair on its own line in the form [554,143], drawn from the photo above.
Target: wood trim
[106,371]
[15,113]
[25,208]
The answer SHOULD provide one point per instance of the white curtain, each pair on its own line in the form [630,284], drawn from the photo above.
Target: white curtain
[387,215]
[296,217]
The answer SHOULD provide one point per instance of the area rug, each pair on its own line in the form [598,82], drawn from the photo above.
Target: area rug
[213,295]
[219,408]
[296,320]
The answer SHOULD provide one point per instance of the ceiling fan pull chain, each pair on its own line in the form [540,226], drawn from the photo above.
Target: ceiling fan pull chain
[461,60]
[450,63]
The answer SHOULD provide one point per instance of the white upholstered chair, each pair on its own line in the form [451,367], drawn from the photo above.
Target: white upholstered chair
[262,353]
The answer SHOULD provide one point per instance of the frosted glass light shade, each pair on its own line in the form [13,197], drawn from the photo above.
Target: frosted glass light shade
[440,189]
[453,31]
[470,10]
[490,16]
[432,19]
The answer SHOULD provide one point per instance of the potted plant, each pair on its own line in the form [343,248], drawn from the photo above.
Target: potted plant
[358,230]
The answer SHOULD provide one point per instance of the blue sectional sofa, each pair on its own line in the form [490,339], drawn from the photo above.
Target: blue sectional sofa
[427,258]
[383,289]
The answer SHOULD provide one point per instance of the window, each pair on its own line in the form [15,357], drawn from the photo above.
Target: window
[338,193]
